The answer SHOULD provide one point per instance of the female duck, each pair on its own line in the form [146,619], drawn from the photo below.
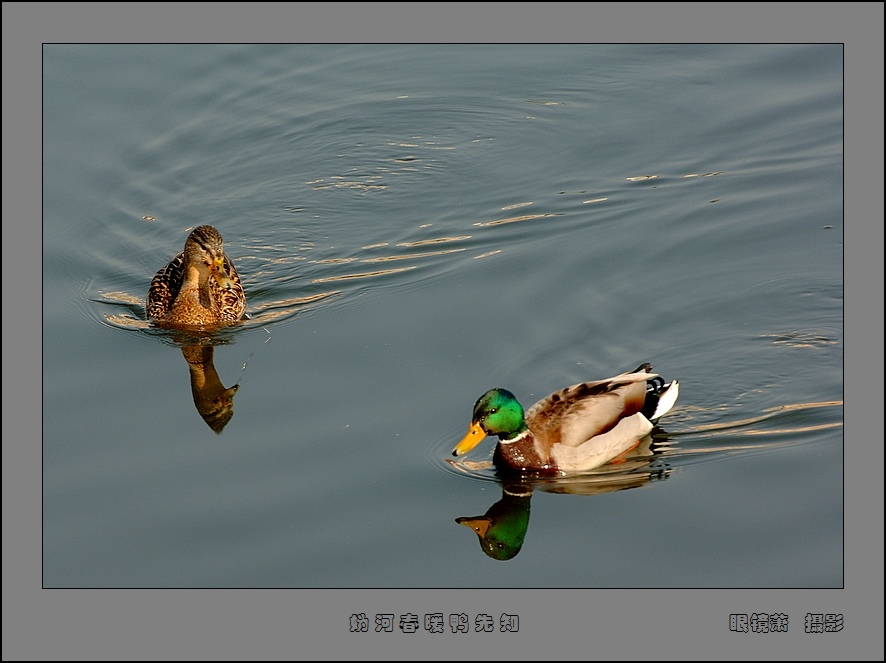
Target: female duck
[199,287]
[575,429]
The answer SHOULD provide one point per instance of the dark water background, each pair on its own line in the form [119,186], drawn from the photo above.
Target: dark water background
[414,225]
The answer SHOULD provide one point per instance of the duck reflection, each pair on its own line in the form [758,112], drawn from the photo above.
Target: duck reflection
[214,401]
[502,529]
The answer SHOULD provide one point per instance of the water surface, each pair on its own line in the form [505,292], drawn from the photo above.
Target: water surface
[416,224]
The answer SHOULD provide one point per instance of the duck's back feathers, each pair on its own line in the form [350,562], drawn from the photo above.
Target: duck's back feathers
[577,413]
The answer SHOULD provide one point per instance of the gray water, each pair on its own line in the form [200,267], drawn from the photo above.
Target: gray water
[415,224]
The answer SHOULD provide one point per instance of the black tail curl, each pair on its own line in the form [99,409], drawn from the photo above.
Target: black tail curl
[655,387]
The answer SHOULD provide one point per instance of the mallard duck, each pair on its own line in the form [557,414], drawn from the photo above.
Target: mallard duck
[199,287]
[575,429]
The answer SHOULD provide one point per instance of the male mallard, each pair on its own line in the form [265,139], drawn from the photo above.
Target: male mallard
[572,430]
[200,287]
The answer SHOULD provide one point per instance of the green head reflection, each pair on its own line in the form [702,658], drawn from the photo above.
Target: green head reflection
[503,527]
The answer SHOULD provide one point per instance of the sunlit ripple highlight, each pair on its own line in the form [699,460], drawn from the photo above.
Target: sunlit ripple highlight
[127,322]
[732,427]
[334,261]
[800,339]
[516,206]
[362,275]
[515,219]
[438,240]
[411,256]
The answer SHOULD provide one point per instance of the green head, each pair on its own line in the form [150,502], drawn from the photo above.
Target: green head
[497,412]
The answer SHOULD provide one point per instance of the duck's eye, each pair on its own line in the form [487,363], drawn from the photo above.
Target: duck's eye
[493,410]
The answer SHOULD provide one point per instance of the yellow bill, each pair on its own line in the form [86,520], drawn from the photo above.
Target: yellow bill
[472,439]
[218,271]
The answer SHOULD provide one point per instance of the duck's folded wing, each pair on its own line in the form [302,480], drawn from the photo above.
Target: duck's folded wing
[165,287]
[602,448]
[575,414]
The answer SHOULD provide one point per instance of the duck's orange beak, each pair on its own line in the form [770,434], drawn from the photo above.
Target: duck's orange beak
[218,271]
[472,439]
[479,524]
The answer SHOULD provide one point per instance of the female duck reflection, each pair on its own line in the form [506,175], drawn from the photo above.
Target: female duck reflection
[213,400]
[502,529]
[199,291]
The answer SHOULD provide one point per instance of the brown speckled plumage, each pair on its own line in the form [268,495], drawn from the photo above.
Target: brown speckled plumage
[199,287]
